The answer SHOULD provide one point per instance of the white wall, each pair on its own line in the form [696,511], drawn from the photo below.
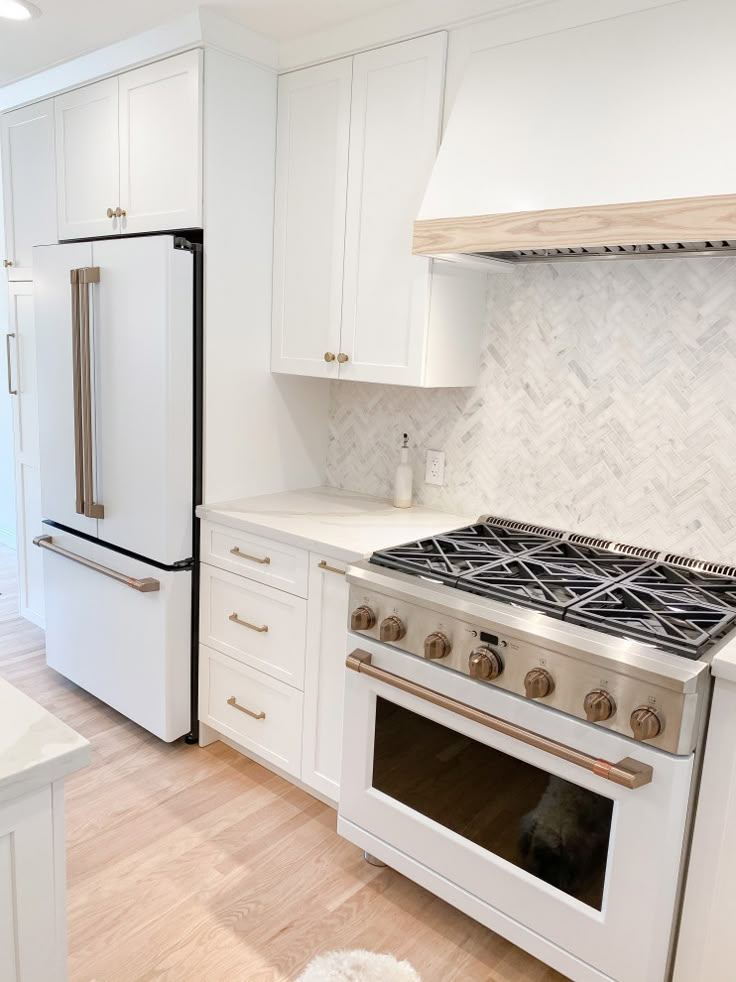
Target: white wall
[7,457]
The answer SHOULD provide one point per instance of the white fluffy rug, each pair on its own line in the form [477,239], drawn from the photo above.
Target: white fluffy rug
[358,966]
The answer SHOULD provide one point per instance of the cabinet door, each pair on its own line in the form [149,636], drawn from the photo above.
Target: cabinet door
[309,238]
[324,681]
[22,372]
[161,145]
[29,184]
[87,160]
[394,134]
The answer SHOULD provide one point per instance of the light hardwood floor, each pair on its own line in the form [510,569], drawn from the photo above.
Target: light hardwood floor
[196,865]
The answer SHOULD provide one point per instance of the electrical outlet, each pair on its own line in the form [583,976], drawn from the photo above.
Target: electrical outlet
[434,471]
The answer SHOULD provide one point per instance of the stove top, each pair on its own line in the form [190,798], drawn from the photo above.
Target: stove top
[679,610]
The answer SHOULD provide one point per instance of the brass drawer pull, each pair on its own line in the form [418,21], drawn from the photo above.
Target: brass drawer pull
[232,701]
[628,773]
[254,627]
[235,551]
[330,569]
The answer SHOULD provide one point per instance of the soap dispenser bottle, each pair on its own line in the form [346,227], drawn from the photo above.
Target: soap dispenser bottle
[404,477]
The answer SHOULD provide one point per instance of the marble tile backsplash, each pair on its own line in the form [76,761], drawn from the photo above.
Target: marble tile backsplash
[606,405]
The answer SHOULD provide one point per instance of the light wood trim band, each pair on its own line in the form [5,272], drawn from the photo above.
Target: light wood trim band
[254,627]
[628,773]
[669,220]
[146,585]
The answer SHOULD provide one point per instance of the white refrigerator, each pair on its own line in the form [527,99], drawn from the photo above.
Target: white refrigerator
[117,361]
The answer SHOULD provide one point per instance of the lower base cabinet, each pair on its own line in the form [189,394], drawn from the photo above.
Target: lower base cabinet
[292,722]
[32,901]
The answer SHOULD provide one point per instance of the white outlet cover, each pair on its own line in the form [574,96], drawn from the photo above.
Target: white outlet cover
[434,471]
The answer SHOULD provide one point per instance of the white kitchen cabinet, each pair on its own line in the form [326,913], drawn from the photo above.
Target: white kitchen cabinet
[161,145]
[21,355]
[309,227]
[324,682]
[87,160]
[29,184]
[344,226]
[132,146]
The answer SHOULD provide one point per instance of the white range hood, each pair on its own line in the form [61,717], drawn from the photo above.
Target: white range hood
[615,139]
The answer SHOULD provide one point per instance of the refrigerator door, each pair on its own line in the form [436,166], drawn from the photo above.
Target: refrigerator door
[143,358]
[59,408]
[127,646]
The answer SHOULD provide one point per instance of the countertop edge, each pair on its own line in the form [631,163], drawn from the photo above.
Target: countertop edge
[46,772]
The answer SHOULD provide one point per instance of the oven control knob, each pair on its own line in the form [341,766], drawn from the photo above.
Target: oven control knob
[392,628]
[599,706]
[362,619]
[646,723]
[538,683]
[437,645]
[484,663]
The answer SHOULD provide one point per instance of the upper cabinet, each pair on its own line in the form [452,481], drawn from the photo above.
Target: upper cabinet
[357,140]
[29,180]
[129,151]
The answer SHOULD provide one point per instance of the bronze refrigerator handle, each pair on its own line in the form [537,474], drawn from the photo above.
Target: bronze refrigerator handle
[627,772]
[11,390]
[77,389]
[87,275]
[146,585]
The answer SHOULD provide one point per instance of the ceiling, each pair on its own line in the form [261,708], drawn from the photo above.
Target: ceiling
[68,28]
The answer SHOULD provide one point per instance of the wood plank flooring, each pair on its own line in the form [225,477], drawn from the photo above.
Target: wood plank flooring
[191,865]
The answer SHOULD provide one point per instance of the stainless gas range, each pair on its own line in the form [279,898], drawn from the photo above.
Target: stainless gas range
[524,709]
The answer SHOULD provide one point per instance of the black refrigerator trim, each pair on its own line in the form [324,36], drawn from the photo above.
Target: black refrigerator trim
[181,564]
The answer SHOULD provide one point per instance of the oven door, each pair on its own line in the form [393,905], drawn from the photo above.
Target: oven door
[580,870]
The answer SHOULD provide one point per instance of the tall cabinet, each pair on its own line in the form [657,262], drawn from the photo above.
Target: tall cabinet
[357,139]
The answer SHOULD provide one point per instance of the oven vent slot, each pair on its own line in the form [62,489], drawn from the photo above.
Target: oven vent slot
[685,562]
[646,250]
[640,552]
[508,523]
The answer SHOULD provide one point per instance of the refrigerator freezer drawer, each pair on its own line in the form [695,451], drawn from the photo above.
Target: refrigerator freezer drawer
[129,647]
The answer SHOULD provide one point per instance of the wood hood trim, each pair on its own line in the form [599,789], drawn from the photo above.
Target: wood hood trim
[669,220]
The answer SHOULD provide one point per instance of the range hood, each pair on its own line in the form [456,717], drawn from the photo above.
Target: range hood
[614,140]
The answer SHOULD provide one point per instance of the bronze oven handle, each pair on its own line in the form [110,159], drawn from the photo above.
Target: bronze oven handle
[627,772]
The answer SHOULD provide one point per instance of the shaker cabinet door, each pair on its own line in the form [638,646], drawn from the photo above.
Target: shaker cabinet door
[309,233]
[87,160]
[161,145]
[29,184]
[394,134]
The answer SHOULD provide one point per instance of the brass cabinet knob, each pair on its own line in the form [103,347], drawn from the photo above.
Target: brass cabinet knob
[329,356]
[7,263]
[646,723]
[538,683]
[110,213]
[120,212]
[437,645]
[342,358]
[484,663]
[362,619]
[392,629]
[599,706]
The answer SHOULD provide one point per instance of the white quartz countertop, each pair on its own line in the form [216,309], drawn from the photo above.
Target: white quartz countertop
[347,524]
[36,748]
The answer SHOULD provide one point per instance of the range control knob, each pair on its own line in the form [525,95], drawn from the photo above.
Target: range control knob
[484,663]
[599,706]
[646,723]
[538,683]
[437,645]
[392,628]
[362,619]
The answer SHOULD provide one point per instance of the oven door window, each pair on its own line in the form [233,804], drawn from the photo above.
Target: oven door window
[549,827]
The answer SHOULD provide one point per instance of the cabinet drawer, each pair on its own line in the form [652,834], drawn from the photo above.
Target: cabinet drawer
[261,559]
[258,625]
[259,713]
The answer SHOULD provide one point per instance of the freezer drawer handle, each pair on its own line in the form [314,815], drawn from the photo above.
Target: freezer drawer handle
[628,773]
[232,701]
[146,585]
[235,551]
[11,390]
[254,627]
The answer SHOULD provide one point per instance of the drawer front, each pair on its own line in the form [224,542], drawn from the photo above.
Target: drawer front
[260,559]
[259,713]
[263,627]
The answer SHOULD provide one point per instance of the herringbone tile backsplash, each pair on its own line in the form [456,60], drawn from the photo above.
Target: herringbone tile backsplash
[606,405]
